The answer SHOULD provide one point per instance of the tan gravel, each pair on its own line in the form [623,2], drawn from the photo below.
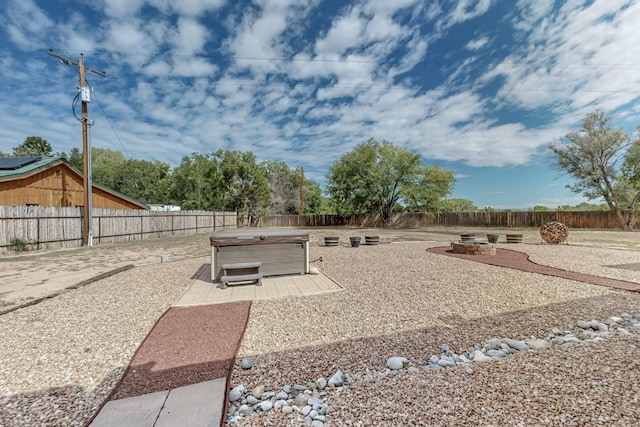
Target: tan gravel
[62,357]
[400,300]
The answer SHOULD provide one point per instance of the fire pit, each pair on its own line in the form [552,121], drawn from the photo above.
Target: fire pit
[475,248]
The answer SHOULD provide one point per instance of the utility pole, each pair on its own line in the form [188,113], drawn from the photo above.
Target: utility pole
[301,190]
[85,97]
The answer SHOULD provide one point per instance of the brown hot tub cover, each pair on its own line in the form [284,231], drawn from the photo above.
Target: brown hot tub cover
[257,237]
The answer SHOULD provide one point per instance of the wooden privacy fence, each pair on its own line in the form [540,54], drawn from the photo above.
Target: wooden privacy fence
[596,219]
[44,227]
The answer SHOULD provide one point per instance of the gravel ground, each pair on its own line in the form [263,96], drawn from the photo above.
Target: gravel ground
[62,357]
[400,300]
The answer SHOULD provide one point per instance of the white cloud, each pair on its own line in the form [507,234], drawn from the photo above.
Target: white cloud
[121,8]
[25,23]
[127,36]
[345,33]
[193,67]
[189,37]
[579,64]
[468,9]
[477,43]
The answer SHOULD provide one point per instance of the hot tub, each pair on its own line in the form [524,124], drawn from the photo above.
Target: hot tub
[281,252]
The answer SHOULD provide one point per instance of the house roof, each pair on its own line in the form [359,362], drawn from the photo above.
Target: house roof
[19,167]
[8,163]
[22,167]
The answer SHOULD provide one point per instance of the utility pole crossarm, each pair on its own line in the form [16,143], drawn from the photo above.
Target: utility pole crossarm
[68,61]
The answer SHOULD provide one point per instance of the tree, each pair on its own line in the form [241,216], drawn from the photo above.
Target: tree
[427,192]
[605,164]
[314,202]
[74,157]
[197,183]
[145,181]
[244,185]
[284,184]
[541,208]
[33,146]
[584,207]
[456,205]
[377,176]
[107,167]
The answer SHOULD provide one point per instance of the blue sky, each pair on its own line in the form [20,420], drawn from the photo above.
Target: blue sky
[481,87]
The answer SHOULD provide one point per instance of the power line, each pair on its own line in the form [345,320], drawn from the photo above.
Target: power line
[110,123]
[355,61]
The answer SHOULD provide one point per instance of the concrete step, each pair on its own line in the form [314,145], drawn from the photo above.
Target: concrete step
[196,405]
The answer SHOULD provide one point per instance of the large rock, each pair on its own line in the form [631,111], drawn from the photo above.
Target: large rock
[537,344]
[396,363]
[479,356]
[257,392]
[236,393]
[518,345]
[337,379]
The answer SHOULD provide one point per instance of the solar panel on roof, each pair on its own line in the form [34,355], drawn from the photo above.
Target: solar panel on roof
[10,163]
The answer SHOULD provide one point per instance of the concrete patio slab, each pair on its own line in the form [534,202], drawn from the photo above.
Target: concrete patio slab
[203,291]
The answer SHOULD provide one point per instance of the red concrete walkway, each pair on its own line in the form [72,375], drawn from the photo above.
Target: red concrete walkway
[520,261]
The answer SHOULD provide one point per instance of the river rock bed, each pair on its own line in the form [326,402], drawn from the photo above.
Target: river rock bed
[310,402]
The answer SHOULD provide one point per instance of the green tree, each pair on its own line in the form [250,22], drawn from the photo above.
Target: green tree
[456,205]
[33,146]
[584,207]
[314,201]
[145,181]
[197,183]
[244,185]
[107,167]
[605,163]
[540,208]
[426,193]
[377,176]
[284,184]
[74,157]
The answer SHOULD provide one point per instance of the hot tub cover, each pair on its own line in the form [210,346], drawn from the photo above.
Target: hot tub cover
[257,237]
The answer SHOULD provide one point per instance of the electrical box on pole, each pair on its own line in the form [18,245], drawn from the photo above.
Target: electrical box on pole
[85,94]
